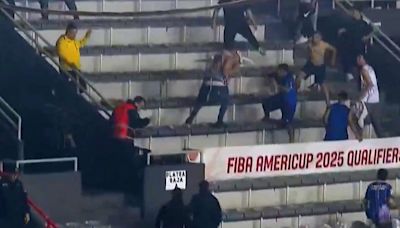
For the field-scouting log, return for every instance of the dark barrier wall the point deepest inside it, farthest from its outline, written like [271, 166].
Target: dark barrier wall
[58, 194]
[156, 177]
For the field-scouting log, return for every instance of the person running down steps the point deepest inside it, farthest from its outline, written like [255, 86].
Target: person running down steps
[215, 85]
[236, 19]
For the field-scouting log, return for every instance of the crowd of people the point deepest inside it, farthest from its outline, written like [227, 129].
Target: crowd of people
[284, 84]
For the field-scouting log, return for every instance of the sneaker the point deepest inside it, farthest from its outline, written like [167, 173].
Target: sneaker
[302, 40]
[349, 77]
[261, 51]
[266, 119]
[189, 121]
[218, 124]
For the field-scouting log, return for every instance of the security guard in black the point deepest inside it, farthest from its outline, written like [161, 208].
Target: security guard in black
[14, 208]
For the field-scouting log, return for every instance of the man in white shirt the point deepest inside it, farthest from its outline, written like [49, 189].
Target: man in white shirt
[307, 16]
[369, 92]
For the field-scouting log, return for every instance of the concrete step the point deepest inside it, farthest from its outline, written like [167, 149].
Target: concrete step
[199, 47]
[307, 215]
[160, 35]
[312, 221]
[250, 193]
[173, 61]
[166, 140]
[193, 74]
[141, 22]
[116, 91]
[108, 208]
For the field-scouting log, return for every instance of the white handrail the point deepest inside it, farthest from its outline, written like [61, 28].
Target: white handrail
[18, 124]
[49, 160]
[53, 60]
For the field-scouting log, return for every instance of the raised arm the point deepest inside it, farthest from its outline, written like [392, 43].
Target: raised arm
[82, 42]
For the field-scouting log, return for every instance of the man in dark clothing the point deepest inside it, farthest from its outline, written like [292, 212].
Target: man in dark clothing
[353, 39]
[14, 208]
[44, 5]
[235, 18]
[173, 214]
[306, 23]
[205, 208]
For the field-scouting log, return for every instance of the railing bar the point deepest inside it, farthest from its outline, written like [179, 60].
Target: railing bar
[8, 119]
[47, 160]
[42, 50]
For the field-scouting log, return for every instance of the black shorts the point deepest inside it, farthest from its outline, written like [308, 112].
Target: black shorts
[319, 72]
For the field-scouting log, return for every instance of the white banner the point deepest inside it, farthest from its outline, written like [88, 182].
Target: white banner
[225, 163]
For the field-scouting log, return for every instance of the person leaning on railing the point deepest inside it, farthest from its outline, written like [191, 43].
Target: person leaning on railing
[124, 120]
[68, 51]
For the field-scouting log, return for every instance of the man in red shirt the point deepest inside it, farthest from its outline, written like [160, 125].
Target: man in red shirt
[125, 119]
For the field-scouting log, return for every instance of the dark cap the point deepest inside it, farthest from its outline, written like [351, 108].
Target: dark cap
[71, 26]
[139, 99]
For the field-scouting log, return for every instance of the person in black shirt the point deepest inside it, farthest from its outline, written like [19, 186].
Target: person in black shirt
[205, 208]
[235, 19]
[173, 214]
[353, 38]
[14, 208]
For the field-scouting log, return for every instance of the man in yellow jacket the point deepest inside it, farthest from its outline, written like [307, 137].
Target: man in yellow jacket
[68, 51]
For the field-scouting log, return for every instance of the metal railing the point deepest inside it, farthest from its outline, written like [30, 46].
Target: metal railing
[20, 163]
[15, 121]
[379, 36]
[372, 3]
[34, 37]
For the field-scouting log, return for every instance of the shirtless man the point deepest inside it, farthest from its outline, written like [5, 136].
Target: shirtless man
[215, 85]
[316, 64]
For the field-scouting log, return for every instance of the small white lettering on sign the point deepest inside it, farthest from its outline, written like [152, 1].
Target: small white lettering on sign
[175, 178]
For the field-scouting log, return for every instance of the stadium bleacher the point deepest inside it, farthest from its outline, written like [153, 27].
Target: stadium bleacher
[163, 60]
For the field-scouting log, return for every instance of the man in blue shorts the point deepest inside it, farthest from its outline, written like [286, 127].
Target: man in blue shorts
[378, 200]
[285, 99]
[337, 118]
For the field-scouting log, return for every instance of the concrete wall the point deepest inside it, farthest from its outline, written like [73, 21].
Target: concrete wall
[297, 195]
[311, 221]
[58, 194]
[173, 145]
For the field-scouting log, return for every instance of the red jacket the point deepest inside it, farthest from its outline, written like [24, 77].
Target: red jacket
[121, 120]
